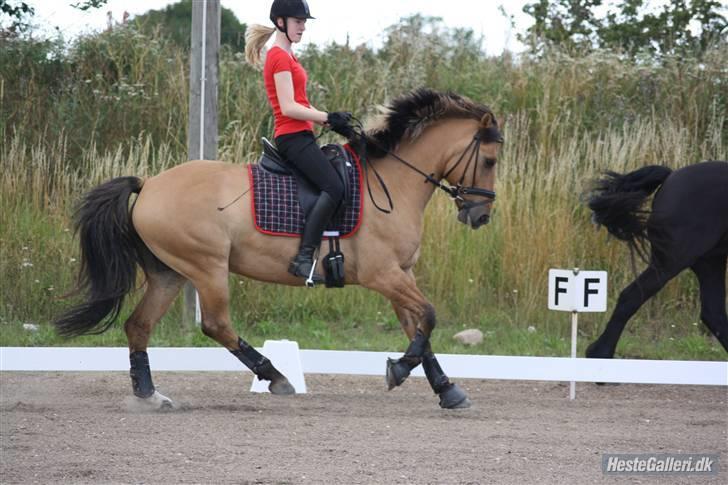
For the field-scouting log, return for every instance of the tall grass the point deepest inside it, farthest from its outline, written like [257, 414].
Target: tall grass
[116, 104]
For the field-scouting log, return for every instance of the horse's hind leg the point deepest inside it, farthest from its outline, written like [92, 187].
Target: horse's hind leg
[216, 324]
[162, 288]
[711, 273]
[630, 300]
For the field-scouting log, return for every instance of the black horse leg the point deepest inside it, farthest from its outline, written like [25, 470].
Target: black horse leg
[417, 317]
[399, 369]
[630, 300]
[419, 351]
[451, 395]
[711, 273]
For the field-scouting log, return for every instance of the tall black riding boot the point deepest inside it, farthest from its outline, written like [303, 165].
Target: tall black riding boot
[303, 264]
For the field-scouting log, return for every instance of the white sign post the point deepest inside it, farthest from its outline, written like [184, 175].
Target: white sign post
[577, 291]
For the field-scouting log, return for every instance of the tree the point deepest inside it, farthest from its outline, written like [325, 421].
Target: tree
[566, 23]
[629, 25]
[16, 12]
[89, 4]
[175, 20]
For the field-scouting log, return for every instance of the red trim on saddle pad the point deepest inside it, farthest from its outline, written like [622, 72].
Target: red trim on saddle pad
[275, 207]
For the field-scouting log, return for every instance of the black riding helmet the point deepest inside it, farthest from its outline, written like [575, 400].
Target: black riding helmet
[289, 8]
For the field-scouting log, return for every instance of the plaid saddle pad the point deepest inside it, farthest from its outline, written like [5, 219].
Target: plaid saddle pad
[277, 211]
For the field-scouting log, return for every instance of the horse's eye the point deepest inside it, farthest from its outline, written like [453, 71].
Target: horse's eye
[489, 162]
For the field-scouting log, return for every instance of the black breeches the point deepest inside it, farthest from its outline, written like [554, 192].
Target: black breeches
[301, 150]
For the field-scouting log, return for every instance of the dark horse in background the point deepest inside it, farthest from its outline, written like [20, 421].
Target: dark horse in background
[686, 228]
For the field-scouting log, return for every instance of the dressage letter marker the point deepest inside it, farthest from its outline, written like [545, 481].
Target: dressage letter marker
[577, 291]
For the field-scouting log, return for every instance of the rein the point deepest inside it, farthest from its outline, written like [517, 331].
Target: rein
[455, 192]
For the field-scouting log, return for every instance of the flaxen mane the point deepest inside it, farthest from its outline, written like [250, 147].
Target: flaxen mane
[406, 117]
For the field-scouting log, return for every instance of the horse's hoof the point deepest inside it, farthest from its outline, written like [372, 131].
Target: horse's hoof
[163, 402]
[396, 373]
[155, 402]
[594, 352]
[281, 387]
[454, 398]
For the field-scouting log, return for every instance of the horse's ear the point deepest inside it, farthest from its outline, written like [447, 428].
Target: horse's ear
[487, 121]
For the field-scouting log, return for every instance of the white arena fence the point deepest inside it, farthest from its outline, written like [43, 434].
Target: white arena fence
[373, 364]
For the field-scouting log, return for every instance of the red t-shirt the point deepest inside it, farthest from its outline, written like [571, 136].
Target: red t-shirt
[278, 60]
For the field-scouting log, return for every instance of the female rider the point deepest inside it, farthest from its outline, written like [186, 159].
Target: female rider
[285, 83]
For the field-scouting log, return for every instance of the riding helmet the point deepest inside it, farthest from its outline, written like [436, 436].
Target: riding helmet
[289, 8]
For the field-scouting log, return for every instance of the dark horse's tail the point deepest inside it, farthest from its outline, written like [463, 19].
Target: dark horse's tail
[617, 201]
[109, 257]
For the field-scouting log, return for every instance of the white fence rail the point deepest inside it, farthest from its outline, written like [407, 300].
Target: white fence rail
[372, 363]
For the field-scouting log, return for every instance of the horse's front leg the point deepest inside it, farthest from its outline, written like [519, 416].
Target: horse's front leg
[451, 395]
[417, 317]
[399, 369]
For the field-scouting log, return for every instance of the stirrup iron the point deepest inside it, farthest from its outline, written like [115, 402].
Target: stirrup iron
[309, 281]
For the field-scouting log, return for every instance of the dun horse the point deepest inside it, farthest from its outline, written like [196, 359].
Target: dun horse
[687, 228]
[176, 233]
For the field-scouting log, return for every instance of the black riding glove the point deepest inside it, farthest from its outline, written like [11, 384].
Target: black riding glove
[338, 121]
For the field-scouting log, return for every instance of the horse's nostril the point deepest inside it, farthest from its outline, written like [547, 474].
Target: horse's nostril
[484, 219]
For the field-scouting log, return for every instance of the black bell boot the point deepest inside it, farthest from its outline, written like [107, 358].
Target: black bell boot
[303, 263]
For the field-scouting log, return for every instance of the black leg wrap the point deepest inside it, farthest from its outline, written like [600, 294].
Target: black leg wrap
[416, 348]
[254, 360]
[435, 376]
[141, 376]
[398, 370]
[263, 368]
[451, 395]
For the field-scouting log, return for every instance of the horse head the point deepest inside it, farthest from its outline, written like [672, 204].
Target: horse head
[471, 172]
[470, 141]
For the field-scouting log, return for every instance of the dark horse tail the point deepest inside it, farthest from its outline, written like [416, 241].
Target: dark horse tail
[617, 201]
[109, 257]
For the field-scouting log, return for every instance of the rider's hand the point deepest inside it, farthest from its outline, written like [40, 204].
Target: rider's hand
[338, 121]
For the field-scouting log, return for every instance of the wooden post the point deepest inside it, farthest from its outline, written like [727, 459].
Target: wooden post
[202, 132]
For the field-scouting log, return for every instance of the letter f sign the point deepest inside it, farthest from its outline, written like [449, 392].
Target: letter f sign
[561, 286]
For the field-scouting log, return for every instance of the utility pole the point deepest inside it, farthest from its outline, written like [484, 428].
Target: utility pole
[202, 132]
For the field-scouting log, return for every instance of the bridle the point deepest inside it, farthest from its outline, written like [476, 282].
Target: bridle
[456, 192]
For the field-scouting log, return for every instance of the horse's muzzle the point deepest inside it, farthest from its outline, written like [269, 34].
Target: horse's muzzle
[474, 221]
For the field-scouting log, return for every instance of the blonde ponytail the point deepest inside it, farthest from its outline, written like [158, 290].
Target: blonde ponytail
[256, 36]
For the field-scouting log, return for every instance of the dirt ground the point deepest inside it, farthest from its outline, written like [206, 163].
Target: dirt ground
[80, 428]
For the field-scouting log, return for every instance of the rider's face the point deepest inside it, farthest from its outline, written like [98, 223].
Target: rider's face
[296, 28]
